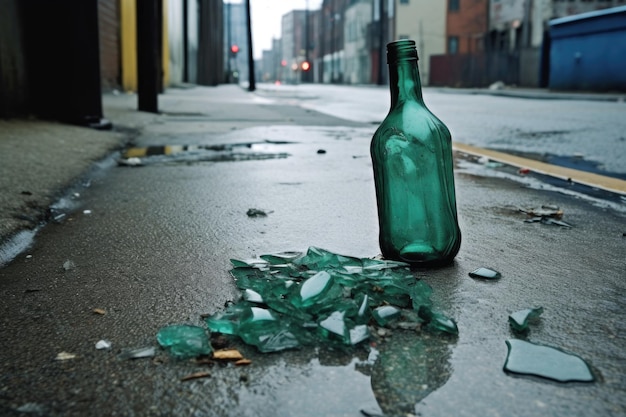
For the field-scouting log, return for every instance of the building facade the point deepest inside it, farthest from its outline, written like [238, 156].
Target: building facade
[425, 23]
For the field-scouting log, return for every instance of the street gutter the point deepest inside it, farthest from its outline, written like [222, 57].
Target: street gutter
[613, 185]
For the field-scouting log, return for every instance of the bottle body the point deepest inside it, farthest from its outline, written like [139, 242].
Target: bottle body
[413, 174]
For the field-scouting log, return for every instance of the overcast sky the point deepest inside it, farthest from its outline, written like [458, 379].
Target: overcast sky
[266, 19]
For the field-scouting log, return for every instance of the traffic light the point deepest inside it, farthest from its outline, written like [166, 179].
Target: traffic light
[234, 49]
[305, 66]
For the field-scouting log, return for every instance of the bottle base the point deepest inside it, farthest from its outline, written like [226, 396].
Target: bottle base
[419, 253]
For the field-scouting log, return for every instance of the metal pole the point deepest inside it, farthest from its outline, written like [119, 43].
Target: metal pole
[305, 74]
[381, 41]
[252, 83]
[185, 41]
[148, 68]
[229, 43]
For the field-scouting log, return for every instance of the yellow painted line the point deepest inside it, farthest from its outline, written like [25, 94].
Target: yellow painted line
[135, 152]
[581, 177]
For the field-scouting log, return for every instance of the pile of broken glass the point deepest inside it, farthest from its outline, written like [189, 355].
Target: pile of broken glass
[292, 299]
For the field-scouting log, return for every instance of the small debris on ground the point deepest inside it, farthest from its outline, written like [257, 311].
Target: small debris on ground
[145, 352]
[196, 375]
[103, 344]
[546, 214]
[243, 362]
[99, 311]
[520, 320]
[65, 356]
[130, 162]
[485, 273]
[227, 354]
[253, 212]
[69, 265]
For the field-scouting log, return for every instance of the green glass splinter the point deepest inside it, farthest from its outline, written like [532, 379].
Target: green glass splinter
[183, 341]
[520, 319]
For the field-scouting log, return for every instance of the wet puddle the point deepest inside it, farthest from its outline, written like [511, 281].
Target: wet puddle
[140, 156]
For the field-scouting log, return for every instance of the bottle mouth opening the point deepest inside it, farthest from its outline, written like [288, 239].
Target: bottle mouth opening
[401, 50]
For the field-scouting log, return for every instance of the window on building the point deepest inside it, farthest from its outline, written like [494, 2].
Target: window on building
[453, 44]
[403, 37]
[453, 5]
[404, 1]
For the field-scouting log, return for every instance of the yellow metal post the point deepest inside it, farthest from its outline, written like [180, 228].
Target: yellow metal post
[128, 17]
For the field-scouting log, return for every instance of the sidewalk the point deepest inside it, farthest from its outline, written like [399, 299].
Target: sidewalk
[40, 159]
[154, 250]
[537, 93]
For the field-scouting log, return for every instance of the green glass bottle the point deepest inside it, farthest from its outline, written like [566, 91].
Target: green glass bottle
[413, 171]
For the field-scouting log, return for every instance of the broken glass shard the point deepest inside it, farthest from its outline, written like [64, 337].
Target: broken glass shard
[420, 295]
[386, 314]
[281, 258]
[227, 322]
[291, 299]
[335, 325]
[520, 319]
[359, 333]
[527, 358]
[438, 321]
[252, 296]
[313, 289]
[183, 341]
[485, 273]
[144, 352]
[103, 344]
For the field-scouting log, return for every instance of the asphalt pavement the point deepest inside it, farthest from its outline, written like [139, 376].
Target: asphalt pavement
[94, 249]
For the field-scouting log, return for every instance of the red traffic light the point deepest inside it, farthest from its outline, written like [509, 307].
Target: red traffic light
[283, 63]
[305, 66]
[234, 49]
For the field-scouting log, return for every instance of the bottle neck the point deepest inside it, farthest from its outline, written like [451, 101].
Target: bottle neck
[404, 81]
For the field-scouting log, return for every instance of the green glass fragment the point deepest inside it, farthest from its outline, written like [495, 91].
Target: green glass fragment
[335, 326]
[252, 296]
[437, 321]
[227, 322]
[420, 295]
[386, 314]
[520, 319]
[485, 273]
[281, 258]
[291, 300]
[183, 341]
[249, 263]
[359, 333]
[527, 358]
[272, 341]
[313, 289]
